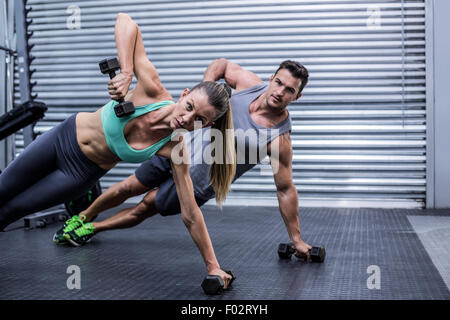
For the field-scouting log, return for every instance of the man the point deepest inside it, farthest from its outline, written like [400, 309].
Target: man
[255, 106]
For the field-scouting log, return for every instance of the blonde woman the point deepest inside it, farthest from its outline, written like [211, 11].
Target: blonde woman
[68, 160]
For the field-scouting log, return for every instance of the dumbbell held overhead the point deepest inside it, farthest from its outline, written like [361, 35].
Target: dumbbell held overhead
[317, 253]
[109, 66]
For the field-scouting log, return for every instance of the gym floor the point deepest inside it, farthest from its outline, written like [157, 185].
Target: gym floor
[410, 250]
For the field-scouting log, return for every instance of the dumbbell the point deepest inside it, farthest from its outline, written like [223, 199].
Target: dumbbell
[214, 284]
[285, 251]
[109, 66]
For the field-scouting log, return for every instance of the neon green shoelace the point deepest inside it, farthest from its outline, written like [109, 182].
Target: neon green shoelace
[84, 230]
[73, 223]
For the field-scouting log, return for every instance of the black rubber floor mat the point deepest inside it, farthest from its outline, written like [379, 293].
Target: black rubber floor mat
[159, 260]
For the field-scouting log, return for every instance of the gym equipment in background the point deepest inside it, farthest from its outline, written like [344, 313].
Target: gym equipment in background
[25, 115]
[20, 117]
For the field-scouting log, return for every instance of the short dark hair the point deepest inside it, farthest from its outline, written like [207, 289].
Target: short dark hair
[297, 70]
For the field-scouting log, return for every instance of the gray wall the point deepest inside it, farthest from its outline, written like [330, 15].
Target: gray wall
[438, 72]
[438, 97]
[359, 129]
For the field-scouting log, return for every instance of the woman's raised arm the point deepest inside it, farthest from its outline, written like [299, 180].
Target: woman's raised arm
[125, 32]
[133, 58]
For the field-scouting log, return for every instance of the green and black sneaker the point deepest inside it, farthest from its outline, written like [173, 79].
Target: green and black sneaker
[81, 235]
[70, 224]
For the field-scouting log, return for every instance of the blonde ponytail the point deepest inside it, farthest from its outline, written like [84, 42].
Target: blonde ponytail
[222, 174]
[223, 170]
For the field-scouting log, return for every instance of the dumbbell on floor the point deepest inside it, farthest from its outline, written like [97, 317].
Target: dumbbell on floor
[285, 251]
[214, 284]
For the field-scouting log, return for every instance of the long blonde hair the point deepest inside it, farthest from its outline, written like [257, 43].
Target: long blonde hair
[222, 172]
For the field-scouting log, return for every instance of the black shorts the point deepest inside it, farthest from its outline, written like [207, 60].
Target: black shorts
[157, 173]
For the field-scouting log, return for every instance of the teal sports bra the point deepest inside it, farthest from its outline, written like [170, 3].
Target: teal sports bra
[113, 129]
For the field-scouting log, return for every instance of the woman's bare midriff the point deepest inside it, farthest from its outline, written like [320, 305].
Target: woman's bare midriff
[91, 140]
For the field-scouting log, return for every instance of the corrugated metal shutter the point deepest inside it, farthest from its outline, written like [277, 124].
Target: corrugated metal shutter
[358, 131]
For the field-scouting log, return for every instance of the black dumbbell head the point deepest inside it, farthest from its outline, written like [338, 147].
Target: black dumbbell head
[108, 65]
[212, 285]
[285, 251]
[317, 254]
[215, 284]
[124, 108]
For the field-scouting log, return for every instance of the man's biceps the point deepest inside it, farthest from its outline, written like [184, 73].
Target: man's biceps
[241, 77]
[248, 79]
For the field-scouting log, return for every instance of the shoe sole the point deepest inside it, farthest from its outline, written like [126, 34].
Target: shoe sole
[75, 243]
[59, 241]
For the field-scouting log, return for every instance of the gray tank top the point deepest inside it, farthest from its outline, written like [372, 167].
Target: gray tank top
[251, 140]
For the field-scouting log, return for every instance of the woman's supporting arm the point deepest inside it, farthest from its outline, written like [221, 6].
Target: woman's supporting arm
[192, 215]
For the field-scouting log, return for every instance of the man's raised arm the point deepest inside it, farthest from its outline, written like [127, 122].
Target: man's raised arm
[235, 76]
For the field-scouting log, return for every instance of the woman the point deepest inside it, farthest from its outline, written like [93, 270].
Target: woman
[67, 160]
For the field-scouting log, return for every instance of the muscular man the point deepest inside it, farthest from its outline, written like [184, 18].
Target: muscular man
[255, 106]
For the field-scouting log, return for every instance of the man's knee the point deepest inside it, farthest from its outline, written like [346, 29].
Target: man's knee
[147, 207]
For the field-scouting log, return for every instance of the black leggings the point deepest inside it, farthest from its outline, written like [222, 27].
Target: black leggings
[50, 171]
